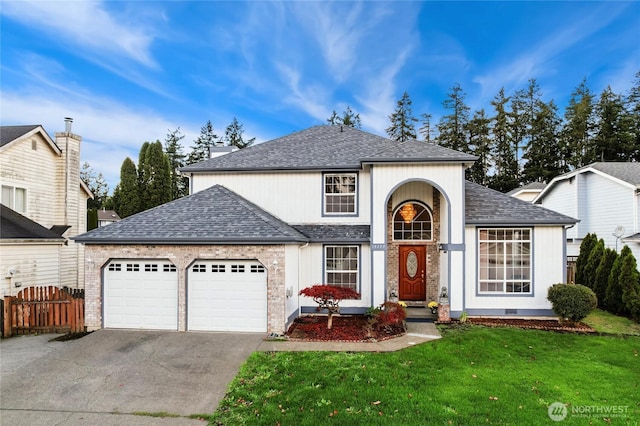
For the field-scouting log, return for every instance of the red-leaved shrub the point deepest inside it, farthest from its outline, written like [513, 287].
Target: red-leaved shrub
[391, 313]
[329, 297]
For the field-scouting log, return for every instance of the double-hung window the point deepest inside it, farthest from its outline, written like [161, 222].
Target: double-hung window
[504, 261]
[14, 198]
[342, 266]
[340, 193]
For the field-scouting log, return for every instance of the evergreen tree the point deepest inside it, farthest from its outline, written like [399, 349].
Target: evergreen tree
[614, 139]
[335, 119]
[517, 125]
[592, 264]
[154, 172]
[173, 149]
[577, 131]
[233, 135]
[630, 283]
[480, 146]
[603, 271]
[633, 107]
[613, 295]
[426, 129]
[542, 161]
[200, 149]
[588, 243]
[128, 190]
[349, 119]
[402, 126]
[505, 177]
[452, 128]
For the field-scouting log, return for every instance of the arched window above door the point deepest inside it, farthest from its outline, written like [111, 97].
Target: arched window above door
[412, 221]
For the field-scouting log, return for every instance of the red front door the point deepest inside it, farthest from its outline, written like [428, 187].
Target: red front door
[413, 262]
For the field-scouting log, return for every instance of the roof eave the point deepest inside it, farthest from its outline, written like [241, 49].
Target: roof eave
[190, 242]
[47, 241]
[521, 223]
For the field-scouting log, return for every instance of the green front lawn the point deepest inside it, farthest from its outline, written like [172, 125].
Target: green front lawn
[473, 375]
[605, 322]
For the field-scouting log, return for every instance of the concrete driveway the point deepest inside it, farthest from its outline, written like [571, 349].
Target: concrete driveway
[108, 376]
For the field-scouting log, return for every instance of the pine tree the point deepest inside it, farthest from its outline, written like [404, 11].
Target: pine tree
[480, 146]
[542, 161]
[588, 243]
[633, 107]
[603, 271]
[233, 135]
[592, 264]
[200, 149]
[614, 139]
[505, 177]
[613, 295]
[335, 119]
[173, 149]
[128, 190]
[426, 129]
[577, 131]
[452, 127]
[351, 119]
[402, 126]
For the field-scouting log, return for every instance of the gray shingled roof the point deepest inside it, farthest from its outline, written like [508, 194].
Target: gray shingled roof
[17, 227]
[325, 148]
[213, 216]
[336, 233]
[484, 206]
[533, 186]
[628, 172]
[11, 133]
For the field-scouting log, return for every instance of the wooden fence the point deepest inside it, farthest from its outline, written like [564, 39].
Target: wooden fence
[42, 310]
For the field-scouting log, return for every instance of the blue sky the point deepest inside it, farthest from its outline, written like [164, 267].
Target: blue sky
[127, 72]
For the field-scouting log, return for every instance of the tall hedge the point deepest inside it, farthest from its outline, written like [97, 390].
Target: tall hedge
[630, 283]
[613, 295]
[586, 246]
[593, 261]
[601, 280]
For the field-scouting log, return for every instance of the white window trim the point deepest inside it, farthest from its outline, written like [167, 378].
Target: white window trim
[393, 221]
[326, 195]
[12, 202]
[348, 271]
[504, 281]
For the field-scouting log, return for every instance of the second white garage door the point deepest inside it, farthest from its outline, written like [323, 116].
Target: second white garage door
[227, 296]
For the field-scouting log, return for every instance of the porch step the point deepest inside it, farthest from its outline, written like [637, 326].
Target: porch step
[420, 314]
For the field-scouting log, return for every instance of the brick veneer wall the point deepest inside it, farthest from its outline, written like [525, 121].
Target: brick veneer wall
[97, 256]
[433, 256]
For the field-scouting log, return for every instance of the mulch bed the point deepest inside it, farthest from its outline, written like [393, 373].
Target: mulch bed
[347, 328]
[553, 325]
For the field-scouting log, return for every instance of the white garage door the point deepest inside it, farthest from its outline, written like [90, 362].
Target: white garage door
[227, 296]
[141, 294]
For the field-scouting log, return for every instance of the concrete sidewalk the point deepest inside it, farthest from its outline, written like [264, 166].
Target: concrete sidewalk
[417, 332]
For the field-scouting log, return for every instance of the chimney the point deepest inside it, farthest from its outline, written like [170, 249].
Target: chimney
[68, 121]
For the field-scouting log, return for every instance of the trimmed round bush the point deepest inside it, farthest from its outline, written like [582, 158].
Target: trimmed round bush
[572, 301]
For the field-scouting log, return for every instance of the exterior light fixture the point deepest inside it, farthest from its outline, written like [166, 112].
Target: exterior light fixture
[408, 212]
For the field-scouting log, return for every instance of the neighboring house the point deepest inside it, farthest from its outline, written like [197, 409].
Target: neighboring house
[605, 197]
[40, 179]
[527, 192]
[105, 217]
[332, 205]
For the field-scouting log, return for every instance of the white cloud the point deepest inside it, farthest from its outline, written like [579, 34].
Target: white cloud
[87, 25]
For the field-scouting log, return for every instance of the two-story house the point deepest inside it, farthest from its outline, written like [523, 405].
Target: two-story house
[332, 205]
[41, 191]
[605, 197]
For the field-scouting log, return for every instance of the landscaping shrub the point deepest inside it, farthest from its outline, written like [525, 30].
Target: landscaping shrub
[586, 246]
[630, 283]
[329, 297]
[391, 313]
[602, 275]
[572, 301]
[613, 295]
[593, 261]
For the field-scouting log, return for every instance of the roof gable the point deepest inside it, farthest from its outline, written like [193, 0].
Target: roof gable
[17, 227]
[9, 134]
[213, 216]
[484, 206]
[626, 174]
[325, 148]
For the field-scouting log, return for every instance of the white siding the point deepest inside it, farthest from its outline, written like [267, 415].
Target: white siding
[293, 197]
[293, 255]
[548, 269]
[35, 265]
[563, 198]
